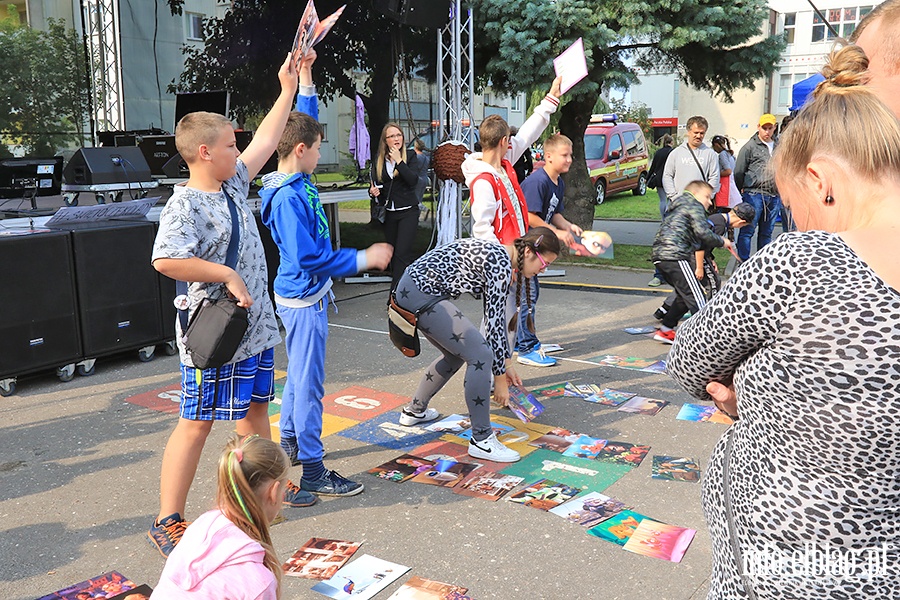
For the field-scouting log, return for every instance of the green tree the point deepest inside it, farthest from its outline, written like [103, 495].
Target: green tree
[43, 87]
[708, 43]
[244, 50]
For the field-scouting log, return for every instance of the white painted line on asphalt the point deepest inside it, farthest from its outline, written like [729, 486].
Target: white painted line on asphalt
[357, 328]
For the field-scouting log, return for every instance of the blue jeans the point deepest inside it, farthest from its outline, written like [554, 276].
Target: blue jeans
[526, 341]
[767, 209]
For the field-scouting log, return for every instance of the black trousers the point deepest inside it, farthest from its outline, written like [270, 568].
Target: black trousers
[689, 292]
[400, 228]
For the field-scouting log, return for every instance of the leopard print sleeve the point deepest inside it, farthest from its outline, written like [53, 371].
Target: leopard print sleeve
[745, 316]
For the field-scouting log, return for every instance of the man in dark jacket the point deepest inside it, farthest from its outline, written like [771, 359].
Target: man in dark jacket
[752, 177]
[684, 230]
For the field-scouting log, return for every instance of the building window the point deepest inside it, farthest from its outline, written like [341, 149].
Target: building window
[842, 20]
[784, 90]
[515, 104]
[790, 23]
[324, 132]
[194, 22]
[487, 99]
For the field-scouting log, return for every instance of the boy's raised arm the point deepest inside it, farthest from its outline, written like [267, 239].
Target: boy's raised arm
[267, 135]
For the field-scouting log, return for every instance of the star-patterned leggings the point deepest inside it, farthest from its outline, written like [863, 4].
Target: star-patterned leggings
[460, 342]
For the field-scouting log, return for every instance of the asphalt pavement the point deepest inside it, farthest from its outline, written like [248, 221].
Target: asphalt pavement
[79, 481]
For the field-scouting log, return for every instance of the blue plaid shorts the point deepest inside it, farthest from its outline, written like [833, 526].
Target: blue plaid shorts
[250, 380]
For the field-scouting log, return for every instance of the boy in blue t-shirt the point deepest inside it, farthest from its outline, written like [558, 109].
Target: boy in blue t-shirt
[544, 190]
[292, 211]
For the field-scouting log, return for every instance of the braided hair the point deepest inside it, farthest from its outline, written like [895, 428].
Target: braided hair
[541, 240]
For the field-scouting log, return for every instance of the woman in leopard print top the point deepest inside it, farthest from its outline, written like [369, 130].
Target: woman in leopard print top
[802, 494]
[481, 268]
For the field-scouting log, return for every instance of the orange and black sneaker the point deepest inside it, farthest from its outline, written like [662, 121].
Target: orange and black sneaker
[165, 534]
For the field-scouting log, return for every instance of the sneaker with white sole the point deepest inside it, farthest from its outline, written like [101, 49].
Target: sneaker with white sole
[409, 418]
[666, 337]
[535, 358]
[655, 282]
[492, 449]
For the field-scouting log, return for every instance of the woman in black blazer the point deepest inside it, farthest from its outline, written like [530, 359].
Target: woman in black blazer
[394, 178]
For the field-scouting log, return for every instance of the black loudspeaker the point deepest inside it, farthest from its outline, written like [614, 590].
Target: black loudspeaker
[104, 165]
[243, 138]
[273, 256]
[118, 289]
[176, 168]
[418, 13]
[157, 151]
[39, 320]
[167, 295]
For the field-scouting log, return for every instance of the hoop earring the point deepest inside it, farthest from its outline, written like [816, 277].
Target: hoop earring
[829, 199]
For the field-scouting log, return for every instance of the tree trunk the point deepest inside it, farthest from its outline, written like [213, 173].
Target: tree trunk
[574, 118]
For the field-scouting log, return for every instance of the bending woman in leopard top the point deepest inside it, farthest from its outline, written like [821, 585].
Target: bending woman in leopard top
[802, 494]
[484, 269]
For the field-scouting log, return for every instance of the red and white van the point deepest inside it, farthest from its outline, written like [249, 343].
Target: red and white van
[616, 155]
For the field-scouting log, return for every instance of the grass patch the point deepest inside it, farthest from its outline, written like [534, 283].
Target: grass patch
[626, 205]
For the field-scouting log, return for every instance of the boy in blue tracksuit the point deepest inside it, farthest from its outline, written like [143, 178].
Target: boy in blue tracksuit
[292, 211]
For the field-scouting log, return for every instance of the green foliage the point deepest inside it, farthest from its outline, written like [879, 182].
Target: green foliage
[43, 87]
[706, 42]
[637, 112]
[244, 50]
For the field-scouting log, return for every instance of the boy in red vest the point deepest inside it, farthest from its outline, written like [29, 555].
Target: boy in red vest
[499, 212]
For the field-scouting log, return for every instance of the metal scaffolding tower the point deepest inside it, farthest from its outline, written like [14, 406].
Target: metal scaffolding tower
[456, 106]
[100, 29]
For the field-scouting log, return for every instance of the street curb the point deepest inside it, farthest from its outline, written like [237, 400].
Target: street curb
[613, 289]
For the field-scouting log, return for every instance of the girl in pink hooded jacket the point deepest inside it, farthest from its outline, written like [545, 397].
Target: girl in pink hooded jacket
[227, 553]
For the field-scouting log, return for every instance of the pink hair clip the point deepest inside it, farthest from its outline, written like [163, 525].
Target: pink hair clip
[238, 453]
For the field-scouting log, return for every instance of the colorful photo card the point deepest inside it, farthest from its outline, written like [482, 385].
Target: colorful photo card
[488, 485]
[320, 558]
[523, 404]
[450, 424]
[141, 592]
[589, 509]
[557, 440]
[673, 468]
[544, 494]
[623, 362]
[589, 391]
[657, 367]
[499, 429]
[443, 450]
[419, 588]
[643, 406]
[550, 391]
[659, 540]
[701, 412]
[106, 585]
[445, 473]
[640, 330]
[571, 391]
[361, 579]
[618, 528]
[609, 397]
[623, 453]
[585, 447]
[401, 468]
[311, 31]
[576, 472]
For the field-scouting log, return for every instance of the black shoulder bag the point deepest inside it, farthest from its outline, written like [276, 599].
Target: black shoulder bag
[216, 328]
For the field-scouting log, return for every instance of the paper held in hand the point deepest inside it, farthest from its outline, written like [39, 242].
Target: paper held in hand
[571, 65]
[311, 31]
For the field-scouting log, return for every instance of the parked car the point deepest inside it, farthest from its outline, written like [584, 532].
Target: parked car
[616, 155]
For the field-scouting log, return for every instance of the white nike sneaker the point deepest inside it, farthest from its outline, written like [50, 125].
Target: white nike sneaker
[492, 449]
[409, 418]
